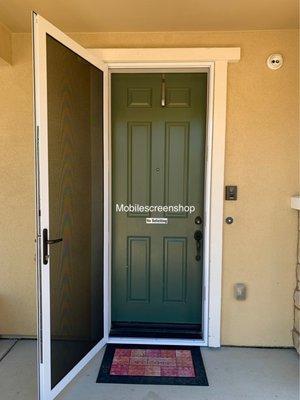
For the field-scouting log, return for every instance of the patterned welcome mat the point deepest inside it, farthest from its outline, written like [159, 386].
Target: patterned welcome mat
[157, 365]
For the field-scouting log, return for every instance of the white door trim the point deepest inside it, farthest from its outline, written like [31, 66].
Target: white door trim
[165, 55]
[214, 60]
[41, 28]
[182, 67]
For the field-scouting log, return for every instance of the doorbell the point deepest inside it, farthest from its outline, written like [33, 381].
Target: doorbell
[230, 192]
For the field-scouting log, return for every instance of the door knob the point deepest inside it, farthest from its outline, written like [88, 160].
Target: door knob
[198, 237]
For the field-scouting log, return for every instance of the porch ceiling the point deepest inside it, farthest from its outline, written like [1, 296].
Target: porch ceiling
[152, 15]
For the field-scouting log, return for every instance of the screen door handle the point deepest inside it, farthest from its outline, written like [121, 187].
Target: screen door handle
[52, 241]
[46, 242]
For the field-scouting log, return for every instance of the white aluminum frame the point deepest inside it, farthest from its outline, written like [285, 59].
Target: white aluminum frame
[41, 28]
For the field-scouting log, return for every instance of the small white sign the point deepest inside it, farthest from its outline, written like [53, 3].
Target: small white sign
[156, 220]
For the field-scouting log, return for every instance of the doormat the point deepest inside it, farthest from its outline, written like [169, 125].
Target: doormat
[152, 365]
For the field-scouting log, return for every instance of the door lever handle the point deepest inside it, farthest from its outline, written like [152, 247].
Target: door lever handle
[52, 241]
[47, 242]
[198, 237]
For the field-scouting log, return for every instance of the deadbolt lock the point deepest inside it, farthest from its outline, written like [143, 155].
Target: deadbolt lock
[198, 220]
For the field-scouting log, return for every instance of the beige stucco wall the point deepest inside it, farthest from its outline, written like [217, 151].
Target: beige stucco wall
[5, 45]
[261, 158]
[17, 269]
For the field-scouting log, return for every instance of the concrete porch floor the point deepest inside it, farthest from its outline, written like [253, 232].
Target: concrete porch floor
[233, 374]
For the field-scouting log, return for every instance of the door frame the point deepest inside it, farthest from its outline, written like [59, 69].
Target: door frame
[206, 225]
[214, 61]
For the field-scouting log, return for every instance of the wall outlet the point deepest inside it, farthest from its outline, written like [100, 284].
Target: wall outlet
[240, 291]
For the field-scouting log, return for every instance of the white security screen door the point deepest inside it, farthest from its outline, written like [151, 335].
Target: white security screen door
[70, 88]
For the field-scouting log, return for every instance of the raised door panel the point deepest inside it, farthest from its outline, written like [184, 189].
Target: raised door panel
[139, 97]
[175, 269]
[139, 165]
[176, 166]
[138, 269]
[178, 97]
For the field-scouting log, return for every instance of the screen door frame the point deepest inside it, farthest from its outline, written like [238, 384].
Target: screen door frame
[42, 28]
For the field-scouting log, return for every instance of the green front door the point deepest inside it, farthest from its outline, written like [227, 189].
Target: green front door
[158, 155]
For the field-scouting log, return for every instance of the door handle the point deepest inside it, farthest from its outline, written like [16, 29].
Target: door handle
[46, 242]
[198, 237]
[52, 241]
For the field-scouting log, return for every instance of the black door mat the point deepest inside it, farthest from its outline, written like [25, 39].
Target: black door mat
[154, 365]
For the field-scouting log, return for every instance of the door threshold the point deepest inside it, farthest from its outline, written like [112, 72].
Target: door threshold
[156, 331]
[157, 342]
